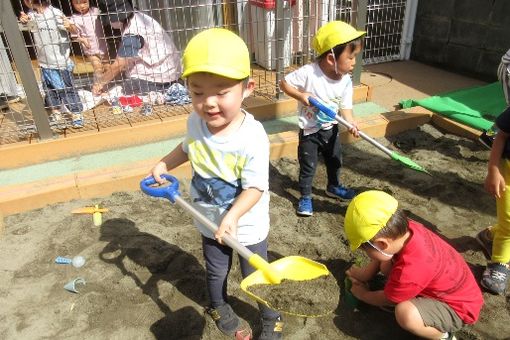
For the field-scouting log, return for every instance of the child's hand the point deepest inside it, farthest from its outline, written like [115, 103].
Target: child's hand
[229, 226]
[24, 18]
[358, 273]
[354, 130]
[97, 88]
[158, 170]
[66, 23]
[358, 288]
[494, 182]
[304, 98]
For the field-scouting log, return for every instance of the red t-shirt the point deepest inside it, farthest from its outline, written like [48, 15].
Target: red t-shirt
[429, 267]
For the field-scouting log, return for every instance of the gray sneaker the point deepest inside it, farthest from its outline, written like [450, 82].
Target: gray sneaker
[271, 329]
[495, 278]
[484, 238]
[225, 318]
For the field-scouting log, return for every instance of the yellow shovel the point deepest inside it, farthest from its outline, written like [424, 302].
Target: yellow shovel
[295, 268]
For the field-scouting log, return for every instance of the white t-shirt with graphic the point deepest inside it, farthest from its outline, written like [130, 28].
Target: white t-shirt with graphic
[223, 167]
[336, 94]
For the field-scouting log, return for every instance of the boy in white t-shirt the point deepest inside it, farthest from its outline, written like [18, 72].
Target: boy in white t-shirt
[229, 153]
[328, 79]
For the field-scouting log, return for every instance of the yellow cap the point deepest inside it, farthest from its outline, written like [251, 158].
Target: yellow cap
[368, 213]
[217, 51]
[332, 34]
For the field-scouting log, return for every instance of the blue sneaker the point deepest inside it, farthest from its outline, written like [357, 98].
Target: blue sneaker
[305, 207]
[340, 191]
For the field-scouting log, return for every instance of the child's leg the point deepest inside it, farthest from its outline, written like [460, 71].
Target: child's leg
[218, 260]
[271, 321]
[52, 98]
[427, 318]
[386, 267]
[247, 269]
[69, 94]
[308, 156]
[501, 231]
[97, 65]
[332, 153]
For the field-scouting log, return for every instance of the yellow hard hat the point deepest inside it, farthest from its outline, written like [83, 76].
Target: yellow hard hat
[368, 213]
[217, 51]
[332, 34]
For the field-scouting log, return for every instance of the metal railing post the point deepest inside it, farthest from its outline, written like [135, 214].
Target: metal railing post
[361, 21]
[280, 44]
[24, 67]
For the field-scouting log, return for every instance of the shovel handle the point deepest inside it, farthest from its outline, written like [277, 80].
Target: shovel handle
[172, 193]
[333, 115]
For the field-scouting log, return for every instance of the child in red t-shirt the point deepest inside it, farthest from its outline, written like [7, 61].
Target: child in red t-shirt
[428, 281]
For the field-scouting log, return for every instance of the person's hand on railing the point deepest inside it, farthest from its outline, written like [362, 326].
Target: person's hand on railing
[24, 18]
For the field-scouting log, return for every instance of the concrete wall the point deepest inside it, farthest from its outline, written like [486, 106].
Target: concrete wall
[462, 35]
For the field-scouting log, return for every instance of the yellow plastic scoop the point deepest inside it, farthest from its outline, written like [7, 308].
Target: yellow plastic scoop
[292, 268]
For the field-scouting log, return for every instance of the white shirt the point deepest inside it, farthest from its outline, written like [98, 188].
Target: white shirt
[50, 37]
[334, 93]
[159, 60]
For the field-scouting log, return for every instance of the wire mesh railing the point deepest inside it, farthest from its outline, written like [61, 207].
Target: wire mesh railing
[96, 64]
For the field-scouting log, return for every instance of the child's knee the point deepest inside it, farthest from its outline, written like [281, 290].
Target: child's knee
[407, 315]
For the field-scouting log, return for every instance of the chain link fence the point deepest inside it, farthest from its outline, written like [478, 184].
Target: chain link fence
[65, 69]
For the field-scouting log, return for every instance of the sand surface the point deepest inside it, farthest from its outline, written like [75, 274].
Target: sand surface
[145, 275]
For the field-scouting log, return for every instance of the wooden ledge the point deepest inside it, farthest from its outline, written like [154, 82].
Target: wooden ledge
[103, 182]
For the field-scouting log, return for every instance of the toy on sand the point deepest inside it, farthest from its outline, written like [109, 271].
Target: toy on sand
[95, 211]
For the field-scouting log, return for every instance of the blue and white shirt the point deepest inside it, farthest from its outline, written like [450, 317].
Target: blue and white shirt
[223, 167]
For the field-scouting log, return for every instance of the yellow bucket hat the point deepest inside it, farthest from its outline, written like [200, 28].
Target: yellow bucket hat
[217, 51]
[368, 213]
[332, 34]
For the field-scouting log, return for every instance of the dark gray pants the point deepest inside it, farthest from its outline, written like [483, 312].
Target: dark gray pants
[218, 260]
[326, 142]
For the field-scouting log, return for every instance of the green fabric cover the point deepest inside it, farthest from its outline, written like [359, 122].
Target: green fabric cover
[477, 107]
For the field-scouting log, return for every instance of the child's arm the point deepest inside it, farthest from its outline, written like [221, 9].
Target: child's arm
[83, 41]
[171, 161]
[295, 93]
[24, 18]
[375, 298]
[242, 204]
[363, 274]
[114, 69]
[495, 182]
[69, 25]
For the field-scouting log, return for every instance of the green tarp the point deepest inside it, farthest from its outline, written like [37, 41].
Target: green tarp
[476, 107]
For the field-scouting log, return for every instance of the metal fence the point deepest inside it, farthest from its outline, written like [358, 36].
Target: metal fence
[37, 102]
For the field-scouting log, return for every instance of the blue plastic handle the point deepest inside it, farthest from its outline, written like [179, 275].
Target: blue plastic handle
[171, 191]
[320, 105]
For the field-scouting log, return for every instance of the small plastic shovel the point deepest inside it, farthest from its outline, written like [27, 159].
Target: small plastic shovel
[294, 268]
[393, 154]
